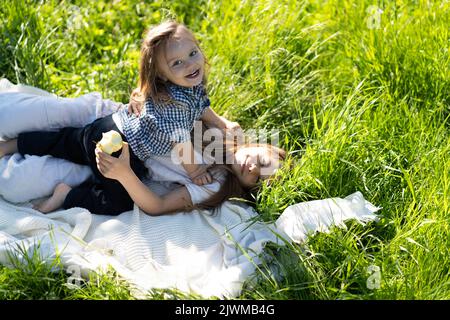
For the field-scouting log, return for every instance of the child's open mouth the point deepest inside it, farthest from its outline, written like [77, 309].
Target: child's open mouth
[193, 74]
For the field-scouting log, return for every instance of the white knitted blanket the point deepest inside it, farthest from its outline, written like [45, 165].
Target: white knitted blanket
[210, 255]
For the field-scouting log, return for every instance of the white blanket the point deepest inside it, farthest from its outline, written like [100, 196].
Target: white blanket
[211, 255]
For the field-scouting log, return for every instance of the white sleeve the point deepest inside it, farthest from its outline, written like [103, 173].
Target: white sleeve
[34, 109]
[202, 193]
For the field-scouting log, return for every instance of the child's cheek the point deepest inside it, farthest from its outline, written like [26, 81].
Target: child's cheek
[198, 59]
[179, 73]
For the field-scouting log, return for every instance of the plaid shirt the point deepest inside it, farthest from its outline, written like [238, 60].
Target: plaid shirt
[159, 127]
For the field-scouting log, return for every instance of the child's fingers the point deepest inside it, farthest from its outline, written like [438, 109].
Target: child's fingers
[104, 162]
[199, 181]
[130, 108]
[104, 157]
[125, 153]
[201, 170]
[104, 170]
[101, 168]
[204, 179]
[134, 108]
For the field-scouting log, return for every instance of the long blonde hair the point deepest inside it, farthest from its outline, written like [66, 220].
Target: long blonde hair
[151, 86]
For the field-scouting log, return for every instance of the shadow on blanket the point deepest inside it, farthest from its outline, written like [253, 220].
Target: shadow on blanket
[193, 252]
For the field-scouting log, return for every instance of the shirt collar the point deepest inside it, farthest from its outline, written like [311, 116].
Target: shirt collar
[186, 90]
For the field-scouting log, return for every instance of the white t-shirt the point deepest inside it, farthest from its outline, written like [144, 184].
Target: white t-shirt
[165, 171]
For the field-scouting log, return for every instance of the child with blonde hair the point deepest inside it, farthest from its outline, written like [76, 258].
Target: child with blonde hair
[172, 79]
[172, 87]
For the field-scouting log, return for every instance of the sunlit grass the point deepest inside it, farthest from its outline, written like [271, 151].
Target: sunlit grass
[360, 98]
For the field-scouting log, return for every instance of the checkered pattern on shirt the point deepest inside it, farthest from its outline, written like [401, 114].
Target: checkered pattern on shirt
[159, 127]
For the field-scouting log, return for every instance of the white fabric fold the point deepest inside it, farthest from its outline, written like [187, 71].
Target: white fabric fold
[208, 254]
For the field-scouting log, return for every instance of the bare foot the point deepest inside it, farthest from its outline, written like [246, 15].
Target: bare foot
[56, 200]
[2, 147]
[8, 147]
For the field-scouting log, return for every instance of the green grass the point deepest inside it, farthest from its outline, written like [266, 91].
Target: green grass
[359, 108]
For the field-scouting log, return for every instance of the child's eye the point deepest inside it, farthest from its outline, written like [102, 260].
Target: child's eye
[176, 63]
[193, 53]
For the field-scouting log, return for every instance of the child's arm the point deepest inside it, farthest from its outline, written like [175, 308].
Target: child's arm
[197, 172]
[151, 203]
[212, 119]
